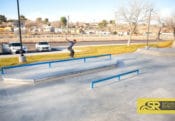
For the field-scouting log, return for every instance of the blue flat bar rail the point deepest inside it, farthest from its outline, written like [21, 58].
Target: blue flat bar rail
[50, 62]
[111, 77]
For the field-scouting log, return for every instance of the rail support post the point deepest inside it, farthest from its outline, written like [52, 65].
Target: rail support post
[84, 60]
[2, 70]
[92, 85]
[110, 56]
[49, 64]
[119, 77]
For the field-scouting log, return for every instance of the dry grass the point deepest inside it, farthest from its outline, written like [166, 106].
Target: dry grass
[165, 44]
[8, 61]
[84, 51]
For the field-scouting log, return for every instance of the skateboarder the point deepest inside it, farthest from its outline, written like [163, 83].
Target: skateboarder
[70, 48]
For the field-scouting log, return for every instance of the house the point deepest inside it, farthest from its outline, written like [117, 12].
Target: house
[15, 26]
[58, 30]
[16, 30]
[47, 28]
[35, 30]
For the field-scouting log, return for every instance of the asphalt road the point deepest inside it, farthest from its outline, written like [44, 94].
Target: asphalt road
[55, 45]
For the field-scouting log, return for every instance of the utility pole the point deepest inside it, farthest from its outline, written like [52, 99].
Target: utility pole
[22, 58]
[68, 24]
[116, 20]
[149, 19]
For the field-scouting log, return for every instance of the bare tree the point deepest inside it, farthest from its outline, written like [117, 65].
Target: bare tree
[161, 23]
[39, 19]
[29, 24]
[56, 24]
[133, 12]
[170, 22]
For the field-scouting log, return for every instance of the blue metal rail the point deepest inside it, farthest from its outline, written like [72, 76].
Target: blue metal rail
[109, 55]
[111, 77]
[51, 62]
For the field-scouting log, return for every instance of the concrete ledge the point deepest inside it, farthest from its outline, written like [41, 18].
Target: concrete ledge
[54, 77]
[27, 76]
[18, 81]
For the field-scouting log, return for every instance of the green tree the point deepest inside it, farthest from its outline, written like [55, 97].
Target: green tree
[63, 21]
[2, 19]
[11, 20]
[112, 22]
[102, 24]
[46, 20]
[23, 18]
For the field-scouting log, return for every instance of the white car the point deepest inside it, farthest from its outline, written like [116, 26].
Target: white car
[43, 46]
[14, 47]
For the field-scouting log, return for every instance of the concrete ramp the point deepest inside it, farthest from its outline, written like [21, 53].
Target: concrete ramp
[157, 51]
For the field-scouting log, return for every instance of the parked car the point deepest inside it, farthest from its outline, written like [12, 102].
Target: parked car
[43, 46]
[13, 47]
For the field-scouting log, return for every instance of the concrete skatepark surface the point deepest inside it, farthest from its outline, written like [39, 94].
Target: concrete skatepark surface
[70, 98]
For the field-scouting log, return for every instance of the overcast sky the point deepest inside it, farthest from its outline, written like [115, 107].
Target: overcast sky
[77, 10]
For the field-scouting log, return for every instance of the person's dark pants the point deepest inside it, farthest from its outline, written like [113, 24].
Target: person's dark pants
[71, 52]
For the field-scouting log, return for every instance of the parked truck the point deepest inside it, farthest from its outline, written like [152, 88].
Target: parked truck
[13, 48]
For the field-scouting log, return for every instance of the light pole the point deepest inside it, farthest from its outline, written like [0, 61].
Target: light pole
[68, 24]
[149, 19]
[21, 57]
